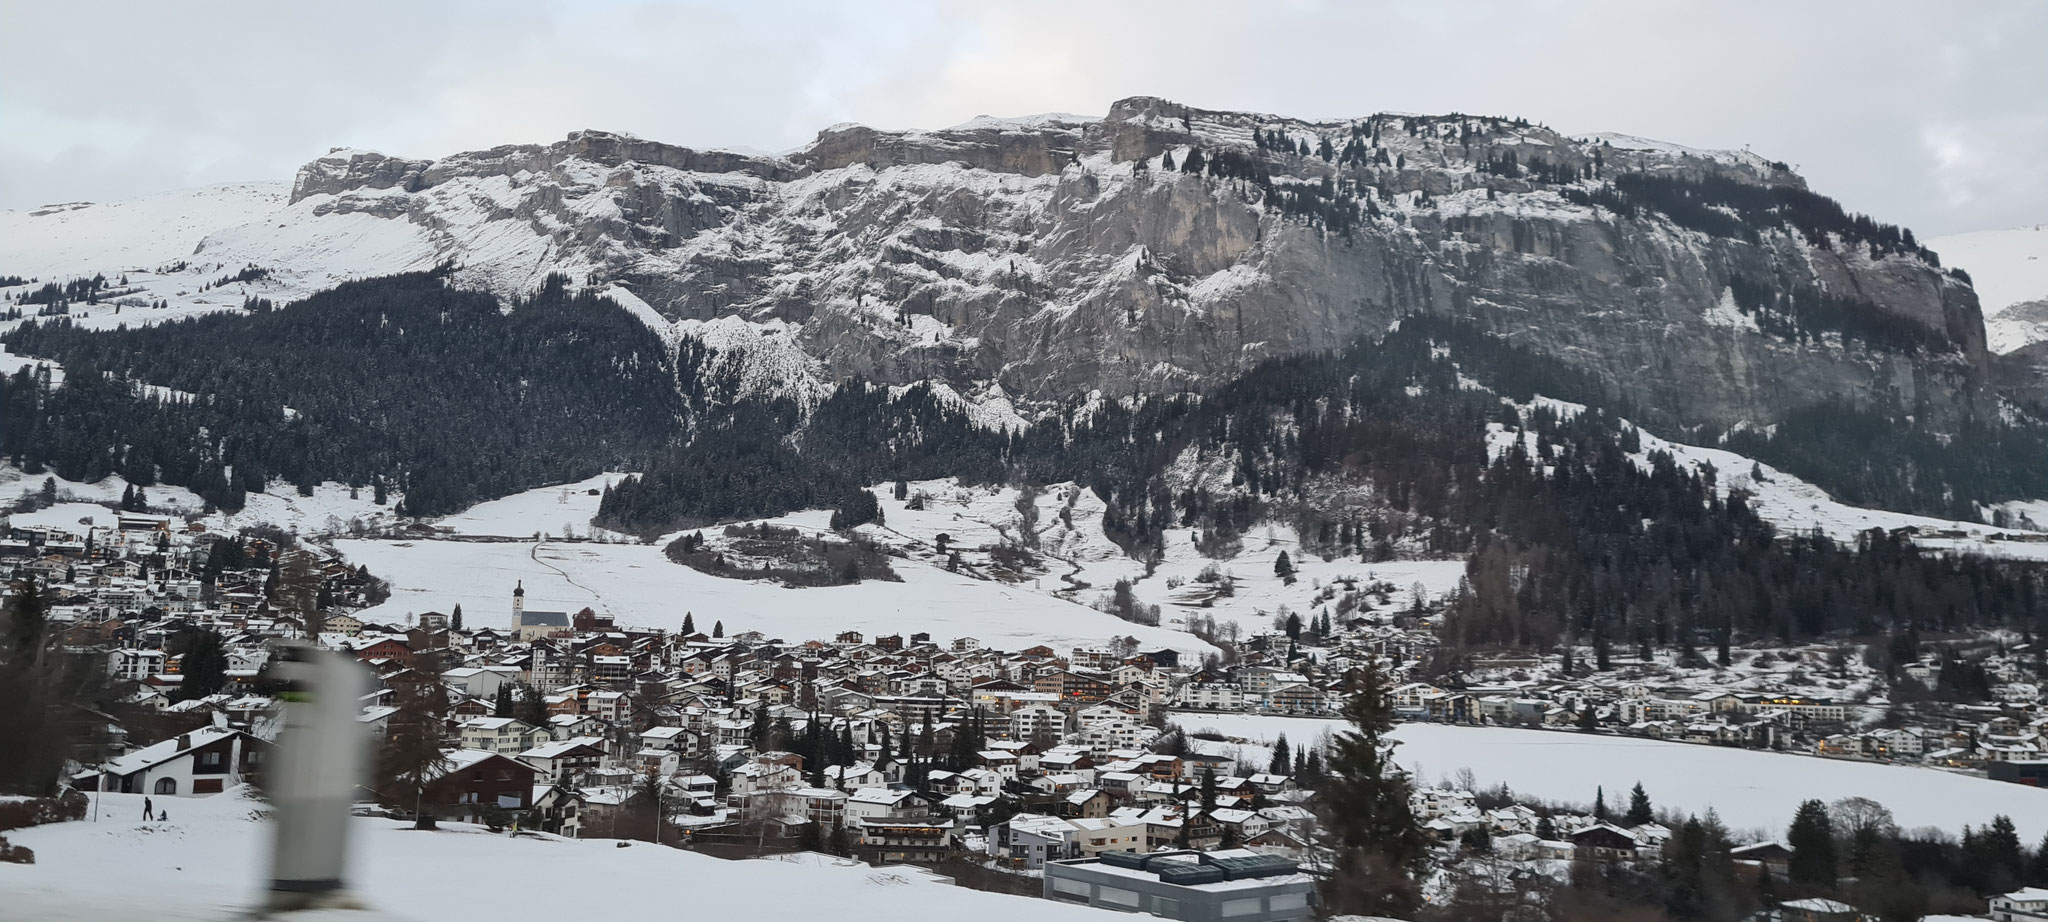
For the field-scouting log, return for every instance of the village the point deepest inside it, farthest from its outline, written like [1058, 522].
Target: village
[1013, 765]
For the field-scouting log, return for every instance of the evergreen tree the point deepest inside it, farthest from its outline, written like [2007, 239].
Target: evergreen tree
[26, 616]
[718, 629]
[689, 624]
[412, 756]
[1546, 828]
[1372, 830]
[1639, 812]
[502, 707]
[2004, 858]
[530, 705]
[204, 666]
[1282, 762]
[1600, 804]
[1283, 567]
[455, 618]
[1812, 840]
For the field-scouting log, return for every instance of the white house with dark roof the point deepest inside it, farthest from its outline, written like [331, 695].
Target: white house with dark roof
[205, 761]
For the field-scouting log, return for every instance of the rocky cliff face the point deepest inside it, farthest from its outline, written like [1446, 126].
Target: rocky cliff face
[1056, 256]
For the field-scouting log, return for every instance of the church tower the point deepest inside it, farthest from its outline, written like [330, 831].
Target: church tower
[518, 605]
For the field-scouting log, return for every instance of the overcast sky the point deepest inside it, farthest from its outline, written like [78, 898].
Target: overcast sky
[1930, 114]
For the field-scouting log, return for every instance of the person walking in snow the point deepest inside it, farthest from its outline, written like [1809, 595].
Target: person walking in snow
[148, 811]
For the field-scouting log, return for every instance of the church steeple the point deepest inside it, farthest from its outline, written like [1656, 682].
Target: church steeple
[518, 605]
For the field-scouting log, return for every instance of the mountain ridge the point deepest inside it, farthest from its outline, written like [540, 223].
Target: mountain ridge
[1032, 254]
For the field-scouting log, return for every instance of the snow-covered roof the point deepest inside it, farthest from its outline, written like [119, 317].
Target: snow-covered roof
[556, 750]
[150, 756]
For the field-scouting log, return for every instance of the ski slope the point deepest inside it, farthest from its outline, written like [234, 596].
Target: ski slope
[1751, 790]
[208, 861]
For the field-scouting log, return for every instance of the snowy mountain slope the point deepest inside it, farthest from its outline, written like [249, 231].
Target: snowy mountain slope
[332, 509]
[1751, 790]
[1054, 256]
[52, 242]
[1796, 505]
[208, 862]
[2010, 271]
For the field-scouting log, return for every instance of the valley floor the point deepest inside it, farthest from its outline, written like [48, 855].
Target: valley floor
[1750, 790]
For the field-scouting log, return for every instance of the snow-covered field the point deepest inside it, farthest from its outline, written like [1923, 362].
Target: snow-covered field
[1751, 790]
[209, 862]
[560, 511]
[640, 586]
[1085, 565]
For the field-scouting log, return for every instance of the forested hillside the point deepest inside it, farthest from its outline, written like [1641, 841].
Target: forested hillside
[397, 382]
[1428, 440]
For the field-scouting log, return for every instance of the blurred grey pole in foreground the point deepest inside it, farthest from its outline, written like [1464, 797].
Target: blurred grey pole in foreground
[322, 756]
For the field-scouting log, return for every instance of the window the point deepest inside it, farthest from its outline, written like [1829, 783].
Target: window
[167, 785]
[1161, 906]
[1288, 901]
[1233, 908]
[1116, 896]
[1066, 888]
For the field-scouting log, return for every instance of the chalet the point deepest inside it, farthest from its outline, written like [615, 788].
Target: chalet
[204, 761]
[370, 649]
[1775, 857]
[566, 760]
[472, 779]
[2028, 905]
[503, 735]
[885, 841]
[1602, 842]
[1817, 910]
[1084, 803]
[1072, 686]
[884, 803]
[560, 810]
[135, 665]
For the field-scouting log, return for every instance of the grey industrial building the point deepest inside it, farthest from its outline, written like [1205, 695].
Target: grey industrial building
[1236, 885]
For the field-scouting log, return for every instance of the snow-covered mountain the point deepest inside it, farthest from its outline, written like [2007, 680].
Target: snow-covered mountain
[1033, 260]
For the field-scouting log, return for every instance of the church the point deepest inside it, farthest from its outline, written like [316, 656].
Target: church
[531, 625]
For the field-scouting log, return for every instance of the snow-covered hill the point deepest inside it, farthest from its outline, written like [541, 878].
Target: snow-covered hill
[208, 862]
